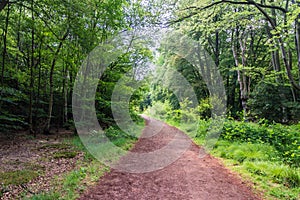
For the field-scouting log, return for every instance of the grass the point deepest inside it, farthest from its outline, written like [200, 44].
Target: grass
[55, 146]
[277, 172]
[245, 151]
[46, 196]
[69, 186]
[17, 177]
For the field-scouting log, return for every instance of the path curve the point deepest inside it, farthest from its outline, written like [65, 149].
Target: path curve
[189, 177]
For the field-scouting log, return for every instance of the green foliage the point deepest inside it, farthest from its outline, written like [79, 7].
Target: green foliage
[37, 56]
[119, 137]
[72, 182]
[262, 164]
[274, 102]
[278, 172]
[46, 196]
[284, 138]
[204, 108]
[166, 112]
[12, 115]
[247, 152]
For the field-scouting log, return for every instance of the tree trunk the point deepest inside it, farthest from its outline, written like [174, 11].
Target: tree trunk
[31, 75]
[65, 95]
[5, 44]
[297, 39]
[217, 49]
[38, 68]
[243, 80]
[47, 128]
[19, 36]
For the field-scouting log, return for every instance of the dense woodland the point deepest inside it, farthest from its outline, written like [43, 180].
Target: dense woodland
[255, 45]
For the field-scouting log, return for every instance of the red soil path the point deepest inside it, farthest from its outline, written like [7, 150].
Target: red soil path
[189, 177]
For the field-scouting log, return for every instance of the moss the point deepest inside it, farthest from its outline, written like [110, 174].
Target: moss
[24, 165]
[33, 166]
[17, 177]
[55, 146]
[65, 154]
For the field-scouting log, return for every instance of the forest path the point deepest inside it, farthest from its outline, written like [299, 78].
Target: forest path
[189, 177]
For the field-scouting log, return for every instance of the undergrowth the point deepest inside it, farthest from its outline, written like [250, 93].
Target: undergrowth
[262, 164]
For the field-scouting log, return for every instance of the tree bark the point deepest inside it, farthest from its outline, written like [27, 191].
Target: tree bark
[243, 80]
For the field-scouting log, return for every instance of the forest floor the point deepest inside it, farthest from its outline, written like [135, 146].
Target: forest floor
[28, 165]
[189, 177]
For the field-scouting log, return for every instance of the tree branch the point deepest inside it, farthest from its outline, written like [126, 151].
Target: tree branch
[248, 2]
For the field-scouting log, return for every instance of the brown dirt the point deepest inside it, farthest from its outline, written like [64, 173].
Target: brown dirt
[189, 177]
[24, 152]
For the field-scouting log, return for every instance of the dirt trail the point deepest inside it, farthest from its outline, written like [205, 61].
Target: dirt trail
[189, 177]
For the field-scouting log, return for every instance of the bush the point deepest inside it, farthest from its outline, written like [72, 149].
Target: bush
[274, 102]
[285, 139]
[114, 133]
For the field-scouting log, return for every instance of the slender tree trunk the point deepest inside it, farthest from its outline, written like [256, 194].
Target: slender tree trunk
[47, 128]
[275, 53]
[243, 80]
[19, 36]
[38, 69]
[217, 49]
[66, 100]
[232, 93]
[31, 75]
[65, 95]
[297, 41]
[5, 44]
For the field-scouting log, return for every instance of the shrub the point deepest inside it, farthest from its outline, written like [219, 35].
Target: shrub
[284, 138]
[273, 102]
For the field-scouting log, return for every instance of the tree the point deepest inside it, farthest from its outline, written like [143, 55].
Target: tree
[257, 34]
